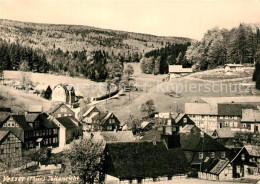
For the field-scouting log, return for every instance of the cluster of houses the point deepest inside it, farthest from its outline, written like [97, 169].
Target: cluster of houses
[61, 92]
[200, 141]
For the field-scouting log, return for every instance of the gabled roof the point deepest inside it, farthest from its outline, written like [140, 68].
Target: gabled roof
[198, 141]
[178, 118]
[100, 116]
[47, 122]
[3, 133]
[16, 131]
[3, 116]
[89, 110]
[223, 133]
[250, 115]
[187, 129]
[20, 119]
[214, 166]
[66, 87]
[253, 150]
[144, 159]
[31, 117]
[233, 109]
[120, 136]
[56, 107]
[144, 124]
[179, 69]
[152, 135]
[41, 87]
[200, 109]
[35, 108]
[68, 122]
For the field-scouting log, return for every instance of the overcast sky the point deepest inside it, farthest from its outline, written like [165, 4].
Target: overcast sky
[187, 18]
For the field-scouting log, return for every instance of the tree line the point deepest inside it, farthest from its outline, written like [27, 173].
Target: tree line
[157, 61]
[221, 46]
[13, 54]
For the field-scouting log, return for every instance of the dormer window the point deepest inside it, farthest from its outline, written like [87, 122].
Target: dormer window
[223, 154]
[243, 156]
[200, 155]
[184, 120]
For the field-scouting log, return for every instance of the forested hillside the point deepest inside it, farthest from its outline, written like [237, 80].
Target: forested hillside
[94, 53]
[220, 46]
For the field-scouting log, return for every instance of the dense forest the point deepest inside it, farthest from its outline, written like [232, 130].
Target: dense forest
[157, 61]
[12, 55]
[220, 46]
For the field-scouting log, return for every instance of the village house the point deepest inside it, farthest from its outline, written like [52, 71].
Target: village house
[246, 162]
[138, 162]
[10, 148]
[204, 115]
[251, 120]
[216, 170]
[198, 146]
[224, 136]
[96, 120]
[178, 71]
[146, 125]
[31, 128]
[44, 91]
[230, 115]
[69, 129]
[61, 110]
[64, 93]
[233, 67]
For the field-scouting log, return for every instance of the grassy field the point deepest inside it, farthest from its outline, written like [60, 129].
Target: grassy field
[83, 87]
[188, 89]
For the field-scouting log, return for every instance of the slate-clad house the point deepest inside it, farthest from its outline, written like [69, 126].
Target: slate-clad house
[61, 110]
[96, 120]
[69, 129]
[10, 148]
[198, 145]
[246, 161]
[31, 127]
[64, 93]
[230, 115]
[216, 169]
[143, 161]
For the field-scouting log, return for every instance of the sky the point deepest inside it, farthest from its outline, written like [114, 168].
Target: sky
[185, 18]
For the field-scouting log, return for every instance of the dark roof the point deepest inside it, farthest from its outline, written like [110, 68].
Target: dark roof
[195, 142]
[233, 109]
[68, 122]
[144, 159]
[31, 117]
[20, 119]
[46, 122]
[152, 135]
[100, 116]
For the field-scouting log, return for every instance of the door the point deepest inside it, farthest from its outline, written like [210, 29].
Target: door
[220, 125]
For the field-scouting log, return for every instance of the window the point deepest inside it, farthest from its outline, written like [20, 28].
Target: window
[109, 127]
[223, 154]
[226, 117]
[226, 124]
[235, 117]
[13, 125]
[212, 155]
[55, 131]
[243, 156]
[50, 132]
[244, 125]
[59, 115]
[65, 115]
[200, 155]
[231, 117]
[231, 124]
[184, 120]
[235, 124]
[69, 115]
[17, 125]
[221, 117]
[8, 124]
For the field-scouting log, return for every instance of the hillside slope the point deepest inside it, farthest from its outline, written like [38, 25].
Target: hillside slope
[78, 37]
